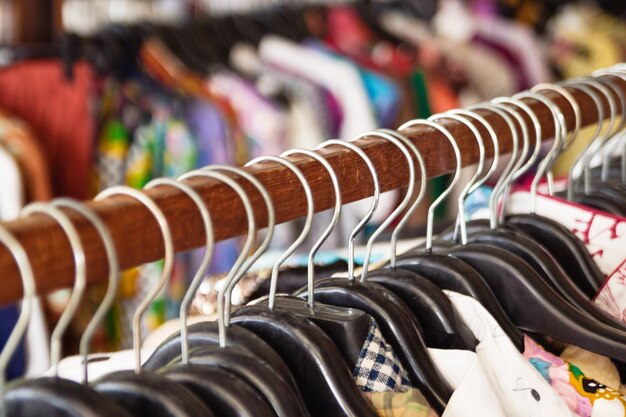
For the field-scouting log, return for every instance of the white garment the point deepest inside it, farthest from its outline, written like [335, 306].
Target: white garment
[522, 391]
[473, 395]
[337, 76]
[11, 187]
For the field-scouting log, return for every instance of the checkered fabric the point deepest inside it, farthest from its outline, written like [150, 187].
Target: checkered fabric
[378, 368]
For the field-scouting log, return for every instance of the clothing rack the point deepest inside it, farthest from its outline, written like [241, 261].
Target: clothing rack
[137, 236]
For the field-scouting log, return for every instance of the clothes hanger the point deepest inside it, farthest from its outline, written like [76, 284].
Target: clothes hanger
[395, 319]
[524, 291]
[442, 326]
[205, 332]
[564, 245]
[347, 328]
[528, 249]
[142, 393]
[222, 391]
[54, 395]
[113, 278]
[243, 363]
[317, 364]
[448, 272]
[29, 293]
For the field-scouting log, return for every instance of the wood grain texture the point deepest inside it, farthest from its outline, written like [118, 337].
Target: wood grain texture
[136, 233]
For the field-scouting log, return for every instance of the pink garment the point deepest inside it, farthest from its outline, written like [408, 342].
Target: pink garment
[557, 372]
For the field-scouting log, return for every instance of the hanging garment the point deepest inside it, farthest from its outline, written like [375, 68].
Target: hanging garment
[584, 396]
[59, 114]
[522, 391]
[473, 395]
[338, 77]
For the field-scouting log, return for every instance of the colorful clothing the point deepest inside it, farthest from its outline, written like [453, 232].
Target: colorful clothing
[517, 384]
[401, 404]
[378, 368]
[584, 396]
[384, 381]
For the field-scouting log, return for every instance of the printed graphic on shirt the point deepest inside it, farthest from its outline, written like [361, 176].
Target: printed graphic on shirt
[584, 396]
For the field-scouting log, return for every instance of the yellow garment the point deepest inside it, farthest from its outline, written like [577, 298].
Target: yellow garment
[585, 40]
[400, 404]
[563, 164]
[594, 366]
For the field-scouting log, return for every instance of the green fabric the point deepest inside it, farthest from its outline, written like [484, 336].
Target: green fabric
[422, 104]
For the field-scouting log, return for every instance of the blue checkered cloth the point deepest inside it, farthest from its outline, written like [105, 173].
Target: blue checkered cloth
[378, 368]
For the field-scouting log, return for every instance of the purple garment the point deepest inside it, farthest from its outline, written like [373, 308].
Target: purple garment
[211, 132]
[335, 114]
[521, 78]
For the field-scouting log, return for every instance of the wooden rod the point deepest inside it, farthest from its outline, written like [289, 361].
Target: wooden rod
[136, 233]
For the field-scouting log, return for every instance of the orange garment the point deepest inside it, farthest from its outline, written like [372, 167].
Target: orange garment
[58, 112]
[19, 140]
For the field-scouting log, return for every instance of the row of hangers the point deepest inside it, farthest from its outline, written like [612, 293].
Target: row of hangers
[287, 355]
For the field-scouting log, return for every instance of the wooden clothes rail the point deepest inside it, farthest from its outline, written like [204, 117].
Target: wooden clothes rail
[138, 239]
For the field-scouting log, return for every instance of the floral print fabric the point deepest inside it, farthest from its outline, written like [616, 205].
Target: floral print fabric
[584, 396]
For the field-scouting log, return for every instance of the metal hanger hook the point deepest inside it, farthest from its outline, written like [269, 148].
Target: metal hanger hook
[517, 168]
[168, 263]
[403, 144]
[453, 182]
[247, 246]
[113, 280]
[271, 223]
[585, 85]
[479, 167]
[559, 129]
[333, 222]
[30, 291]
[80, 275]
[565, 142]
[376, 197]
[307, 224]
[418, 200]
[494, 160]
[204, 264]
[607, 153]
[495, 193]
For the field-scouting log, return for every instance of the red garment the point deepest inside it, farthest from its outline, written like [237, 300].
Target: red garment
[348, 34]
[59, 114]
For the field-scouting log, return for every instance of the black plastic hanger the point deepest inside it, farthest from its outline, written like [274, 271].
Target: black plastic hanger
[225, 393]
[514, 280]
[540, 260]
[346, 327]
[441, 325]
[564, 246]
[282, 396]
[349, 328]
[529, 250]
[177, 346]
[534, 306]
[452, 273]
[54, 395]
[397, 324]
